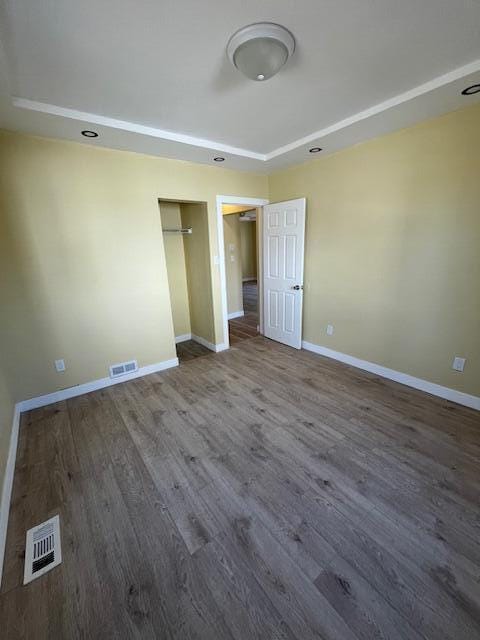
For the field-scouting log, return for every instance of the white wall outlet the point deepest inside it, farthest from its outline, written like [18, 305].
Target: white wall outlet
[329, 329]
[60, 365]
[232, 258]
[458, 364]
[231, 248]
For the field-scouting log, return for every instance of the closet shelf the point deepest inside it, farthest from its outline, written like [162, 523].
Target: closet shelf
[186, 231]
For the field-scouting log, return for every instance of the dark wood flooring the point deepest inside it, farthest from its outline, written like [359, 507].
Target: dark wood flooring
[190, 349]
[243, 328]
[262, 492]
[250, 296]
[246, 327]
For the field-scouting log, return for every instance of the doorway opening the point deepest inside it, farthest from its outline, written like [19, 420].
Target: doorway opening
[280, 234]
[241, 270]
[187, 255]
[242, 303]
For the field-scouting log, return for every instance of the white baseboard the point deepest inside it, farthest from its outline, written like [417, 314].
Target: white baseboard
[205, 343]
[8, 485]
[94, 385]
[404, 378]
[213, 347]
[249, 279]
[236, 314]
[183, 338]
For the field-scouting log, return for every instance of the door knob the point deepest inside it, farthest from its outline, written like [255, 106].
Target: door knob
[297, 287]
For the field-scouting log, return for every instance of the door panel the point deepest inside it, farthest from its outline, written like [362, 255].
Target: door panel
[289, 313]
[290, 256]
[272, 307]
[284, 240]
[273, 257]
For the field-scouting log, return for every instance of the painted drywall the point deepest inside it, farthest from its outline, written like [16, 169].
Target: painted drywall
[198, 270]
[233, 262]
[393, 248]
[176, 270]
[82, 265]
[248, 249]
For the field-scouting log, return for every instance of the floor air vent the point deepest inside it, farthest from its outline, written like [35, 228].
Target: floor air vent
[123, 368]
[42, 551]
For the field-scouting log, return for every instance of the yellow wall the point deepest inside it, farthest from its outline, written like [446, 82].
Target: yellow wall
[393, 248]
[177, 274]
[248, 249]
[198, 270]
[82, 260]
[233, 269]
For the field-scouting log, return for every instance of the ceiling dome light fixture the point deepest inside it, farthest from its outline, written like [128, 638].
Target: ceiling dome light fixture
[219, 159]
[90, 134]
[260, 50]
[315, 149]
[470, 91]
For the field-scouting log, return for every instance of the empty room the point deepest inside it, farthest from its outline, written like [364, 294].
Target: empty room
[240, 320]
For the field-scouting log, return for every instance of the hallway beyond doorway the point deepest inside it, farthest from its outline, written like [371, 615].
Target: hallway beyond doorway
[246, 326]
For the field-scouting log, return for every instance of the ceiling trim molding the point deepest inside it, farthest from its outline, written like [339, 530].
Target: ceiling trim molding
[397, 100]
[211, 145]
[113, 123]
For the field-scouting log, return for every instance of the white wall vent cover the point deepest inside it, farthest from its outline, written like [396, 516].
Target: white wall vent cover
[123, 368]
[42, 551]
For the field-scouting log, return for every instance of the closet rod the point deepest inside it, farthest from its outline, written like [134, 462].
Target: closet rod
[186, 231]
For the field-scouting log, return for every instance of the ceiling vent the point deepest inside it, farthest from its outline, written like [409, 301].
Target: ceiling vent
[42, 549]
[123, 368]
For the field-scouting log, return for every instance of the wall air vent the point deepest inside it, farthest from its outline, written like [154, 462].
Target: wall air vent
[42, 549]
[123, 368]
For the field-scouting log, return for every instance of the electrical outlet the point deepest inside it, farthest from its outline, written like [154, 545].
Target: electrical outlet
[329, 329]
[458, 364]
[60, 365]
[232, 258]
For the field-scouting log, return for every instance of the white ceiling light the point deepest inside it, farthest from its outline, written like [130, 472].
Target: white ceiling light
[260, 50]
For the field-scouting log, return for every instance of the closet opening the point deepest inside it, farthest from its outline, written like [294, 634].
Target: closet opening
[187, 255]
[241, 270]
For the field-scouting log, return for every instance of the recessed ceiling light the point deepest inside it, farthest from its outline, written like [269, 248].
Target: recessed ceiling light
[470, 91]
[90, 134]
[219, 159]
[260, 50]
[315, 149]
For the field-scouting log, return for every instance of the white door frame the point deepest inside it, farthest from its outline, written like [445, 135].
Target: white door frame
[221, 200]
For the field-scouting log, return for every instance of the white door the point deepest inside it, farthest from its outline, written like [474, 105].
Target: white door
[283, 251]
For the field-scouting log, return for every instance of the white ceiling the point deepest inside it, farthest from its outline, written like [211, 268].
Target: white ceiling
[152, 75]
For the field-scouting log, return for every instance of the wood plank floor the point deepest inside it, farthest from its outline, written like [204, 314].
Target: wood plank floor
[190, 349]
[250, 296]
[245, 327]
[257, 493]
